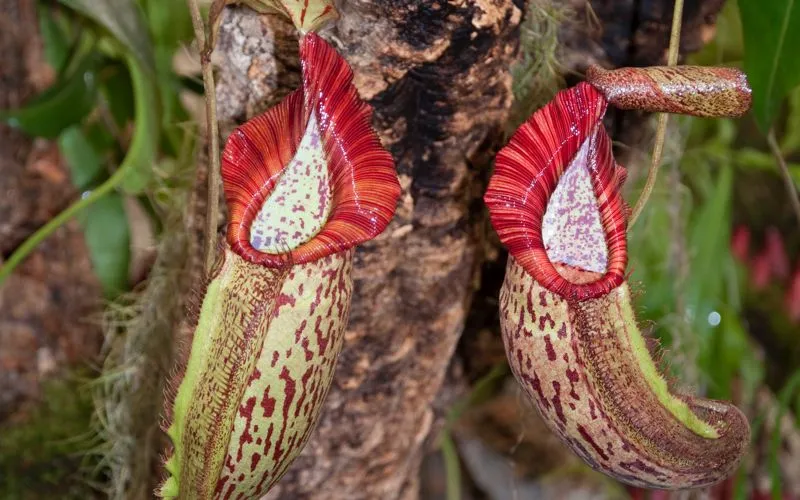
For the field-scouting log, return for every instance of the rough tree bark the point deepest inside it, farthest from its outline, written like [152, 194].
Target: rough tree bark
[437, 74]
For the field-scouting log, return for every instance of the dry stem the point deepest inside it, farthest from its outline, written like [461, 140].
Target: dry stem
[661, 131]
[787, 177]
[212, 132]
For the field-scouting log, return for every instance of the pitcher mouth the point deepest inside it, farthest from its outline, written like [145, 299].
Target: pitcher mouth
[308, 178]
[555, 196]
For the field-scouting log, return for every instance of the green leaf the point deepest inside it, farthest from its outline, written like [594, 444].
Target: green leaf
[788, 392]
[84, 163]
[650, 257]
[124, 20]
[730, 355]
[100, 137]
[771, 37]
[64, 104]
[174, 119]
[790, 142]
[107, 236]
[141, 156]
[169, 21]
[709, 236]
[754, 159]
[54, 38]
[118, 92]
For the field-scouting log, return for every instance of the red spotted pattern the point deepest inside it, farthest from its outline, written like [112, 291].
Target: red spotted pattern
[283, 397]
[689, 90]
[579, 370]
[568, 327]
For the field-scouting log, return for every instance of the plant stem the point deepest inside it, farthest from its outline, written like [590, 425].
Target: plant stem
[212, 132]
[661, 130]
[452, 467]
[480, 389]
[784, 400]
[447, 445]
[787, 177]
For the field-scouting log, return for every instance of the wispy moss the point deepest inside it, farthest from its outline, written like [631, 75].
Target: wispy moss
[537, 75]
[140, 330]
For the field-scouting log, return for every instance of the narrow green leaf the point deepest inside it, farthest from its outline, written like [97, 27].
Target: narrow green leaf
[708, 243]
[788, 392]
[790, 142]
[66, 103]
[141, 155]
[771, 38]
[174, 118]
[452, 466]
[84, 163]
[753, 159]
[108, 239]
[730, 353]
[124, 20]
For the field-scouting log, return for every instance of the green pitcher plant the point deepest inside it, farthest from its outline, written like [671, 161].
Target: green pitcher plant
[568, 326]
[305, 182]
